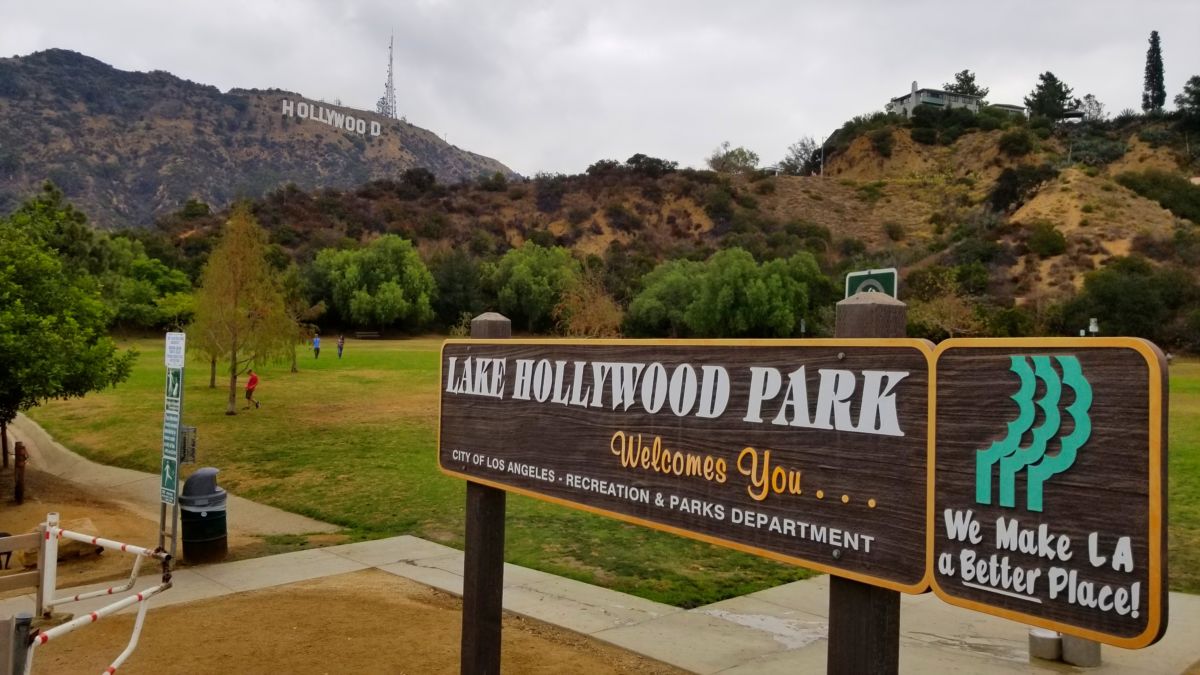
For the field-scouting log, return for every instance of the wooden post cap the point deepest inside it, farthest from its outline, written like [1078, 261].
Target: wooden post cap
[871, 315]
[491, 325]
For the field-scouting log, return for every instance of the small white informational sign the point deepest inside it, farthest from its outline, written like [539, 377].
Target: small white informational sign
[175, 349]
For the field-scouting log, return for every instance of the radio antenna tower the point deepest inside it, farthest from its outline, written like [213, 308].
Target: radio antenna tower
[387, 105]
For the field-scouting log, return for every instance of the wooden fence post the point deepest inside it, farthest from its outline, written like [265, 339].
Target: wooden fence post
[20, 456]
[483, 569]
[864, 620]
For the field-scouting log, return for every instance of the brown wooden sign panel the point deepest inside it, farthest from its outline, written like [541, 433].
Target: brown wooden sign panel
[1049, 485]
[813, 452]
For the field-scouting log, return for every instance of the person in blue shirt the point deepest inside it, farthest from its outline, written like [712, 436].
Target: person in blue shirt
[316, 346]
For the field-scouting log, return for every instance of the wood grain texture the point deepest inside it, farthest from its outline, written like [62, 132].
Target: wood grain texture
[545, 449]
[1108, 489]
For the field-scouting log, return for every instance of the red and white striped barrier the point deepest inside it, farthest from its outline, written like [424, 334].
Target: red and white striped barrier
[53, 533]
[92, 617]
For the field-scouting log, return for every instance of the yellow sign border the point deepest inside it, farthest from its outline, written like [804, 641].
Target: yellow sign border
[1156, 366]
[923, 346]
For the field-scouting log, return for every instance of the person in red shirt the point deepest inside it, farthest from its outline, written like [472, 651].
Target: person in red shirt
[251, 385]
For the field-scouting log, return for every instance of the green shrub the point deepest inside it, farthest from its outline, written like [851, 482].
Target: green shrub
[746, 201]
[766, 187]
[1172, 191]
[882, 141]
[1155, 137]
[894, 231]
[871, 192]
[578, 215]
[1045, 240]
[621, 218]
[1016, 143]
[718, 204]
[1095, 152]
[1014, 185]
[925, 135]
[989, 123]
[851, 247]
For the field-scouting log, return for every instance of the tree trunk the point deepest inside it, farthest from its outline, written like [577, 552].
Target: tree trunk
[232, 408]
[212, 373]
[294, 368]
[4, 441]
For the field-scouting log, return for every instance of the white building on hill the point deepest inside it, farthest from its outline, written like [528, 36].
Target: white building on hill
[938, 98]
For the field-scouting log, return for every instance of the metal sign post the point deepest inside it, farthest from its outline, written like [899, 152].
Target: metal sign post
[172, 410]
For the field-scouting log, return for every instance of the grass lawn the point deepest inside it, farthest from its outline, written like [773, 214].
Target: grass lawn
[352, 442]
[1183, 509]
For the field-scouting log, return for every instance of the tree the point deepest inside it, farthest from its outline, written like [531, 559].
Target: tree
[456, 274]
[53, 341]
[803, 158]
[586, 309]
[529, 283]
[1154, 92]
[735, 297]
[964, 83]
[240, 312]
[1051, 98]
[726, 159]
[660, 308]
[1093, 109]
[1188, 101]
[298, 309]
[382, 285]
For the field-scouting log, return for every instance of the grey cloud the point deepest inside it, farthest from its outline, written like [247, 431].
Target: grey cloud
[556, 85]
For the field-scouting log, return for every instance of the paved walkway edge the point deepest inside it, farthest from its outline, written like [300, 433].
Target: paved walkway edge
[139, 491]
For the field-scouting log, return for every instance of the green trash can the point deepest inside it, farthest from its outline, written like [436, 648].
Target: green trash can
[202, 518]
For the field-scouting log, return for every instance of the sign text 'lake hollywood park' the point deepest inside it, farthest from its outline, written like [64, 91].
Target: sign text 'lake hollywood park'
[1049, 486]
[812, 452]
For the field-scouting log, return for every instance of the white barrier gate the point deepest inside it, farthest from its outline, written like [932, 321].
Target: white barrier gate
[49, 554]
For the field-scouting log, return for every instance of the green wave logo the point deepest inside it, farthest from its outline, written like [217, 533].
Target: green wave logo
[1009, 457]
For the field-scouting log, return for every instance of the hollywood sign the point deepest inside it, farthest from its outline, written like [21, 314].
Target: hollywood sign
[332, 117]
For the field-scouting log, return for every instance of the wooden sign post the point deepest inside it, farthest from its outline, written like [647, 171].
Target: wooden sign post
[483, 564]
[1049, 489]
[864, 620]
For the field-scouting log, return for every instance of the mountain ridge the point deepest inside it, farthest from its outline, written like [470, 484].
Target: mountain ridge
[130, 146]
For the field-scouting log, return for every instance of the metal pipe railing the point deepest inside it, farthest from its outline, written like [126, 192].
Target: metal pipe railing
[54, 533]
[51, 534]
[92, 617]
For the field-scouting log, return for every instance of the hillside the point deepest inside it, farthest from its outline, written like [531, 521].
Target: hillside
[128, 146]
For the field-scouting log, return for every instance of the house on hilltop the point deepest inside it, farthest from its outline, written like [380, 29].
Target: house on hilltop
[938, 98]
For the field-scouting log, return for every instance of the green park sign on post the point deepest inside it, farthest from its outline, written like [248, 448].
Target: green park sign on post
[878, 281]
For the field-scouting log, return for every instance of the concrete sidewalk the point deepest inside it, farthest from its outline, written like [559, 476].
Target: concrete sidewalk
[139, 491]
[779, 630]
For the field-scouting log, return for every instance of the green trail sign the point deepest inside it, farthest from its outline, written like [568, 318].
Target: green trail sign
[172, 408]
[877, 281]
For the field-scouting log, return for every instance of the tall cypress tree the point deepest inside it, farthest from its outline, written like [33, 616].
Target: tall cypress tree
[1154, 92]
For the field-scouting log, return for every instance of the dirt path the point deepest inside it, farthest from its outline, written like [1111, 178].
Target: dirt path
[365, 622]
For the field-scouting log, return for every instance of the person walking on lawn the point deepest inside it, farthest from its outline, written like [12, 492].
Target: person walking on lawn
[316, 346]
[251, 385]
[340, 344]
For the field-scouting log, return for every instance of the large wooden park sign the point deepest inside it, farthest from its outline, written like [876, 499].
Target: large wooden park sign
[811, 452]
[1023, 478]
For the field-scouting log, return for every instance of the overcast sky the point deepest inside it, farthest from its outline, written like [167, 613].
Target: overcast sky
[554, 86]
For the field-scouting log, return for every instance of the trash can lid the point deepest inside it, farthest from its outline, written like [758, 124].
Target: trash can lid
[201, 483]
